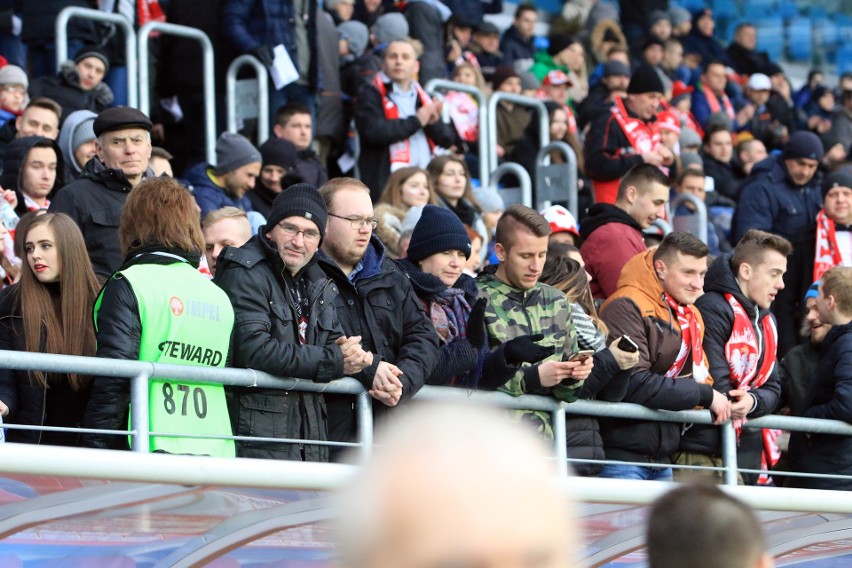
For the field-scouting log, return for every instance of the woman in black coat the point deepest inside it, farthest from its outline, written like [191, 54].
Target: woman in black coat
[48, 311]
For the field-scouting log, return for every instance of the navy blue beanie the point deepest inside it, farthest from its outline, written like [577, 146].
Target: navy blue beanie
[803, 144]
[438, 230]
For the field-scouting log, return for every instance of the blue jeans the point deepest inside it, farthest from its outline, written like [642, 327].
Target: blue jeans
[637, 472]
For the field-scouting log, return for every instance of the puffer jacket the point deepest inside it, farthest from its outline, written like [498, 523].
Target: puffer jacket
[13, 162]
[64, 88]
[831, 398]
[266, 338]
[94, 202]
[210, 196]
[718, 318]
[381, 308]
[29, 402]
[638, 310]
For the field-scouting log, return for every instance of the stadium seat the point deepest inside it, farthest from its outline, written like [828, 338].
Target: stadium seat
[800, 39]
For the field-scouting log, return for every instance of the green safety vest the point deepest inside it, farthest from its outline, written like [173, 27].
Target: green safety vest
[186, 319]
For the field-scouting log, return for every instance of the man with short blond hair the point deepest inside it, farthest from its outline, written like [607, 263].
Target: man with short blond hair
[225, 227]
[831, 396]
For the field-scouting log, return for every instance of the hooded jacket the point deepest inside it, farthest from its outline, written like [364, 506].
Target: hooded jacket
[718, 318]
[637, 309]
[13, 163]
[65, 141]
[831, 398]
[266, 338]
[94, 202]
[64, 88]
[611, 237]
[210, 196]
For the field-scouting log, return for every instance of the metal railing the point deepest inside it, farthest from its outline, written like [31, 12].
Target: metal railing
[262, 95]
[129, 42]
[140, 372]
[438, 85]
[688, 222]
[520, 100]
[556, 181]
[524, 192]
[209, 87]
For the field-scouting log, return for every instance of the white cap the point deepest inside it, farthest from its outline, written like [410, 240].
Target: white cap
[759, 82]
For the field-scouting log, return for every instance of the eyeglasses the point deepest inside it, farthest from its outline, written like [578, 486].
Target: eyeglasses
[358, 222]
[310, 236]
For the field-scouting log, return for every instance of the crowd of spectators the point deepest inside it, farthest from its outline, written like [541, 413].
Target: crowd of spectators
[389, 262]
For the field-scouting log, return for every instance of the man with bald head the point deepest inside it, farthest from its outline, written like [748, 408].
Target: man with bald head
[475, 490]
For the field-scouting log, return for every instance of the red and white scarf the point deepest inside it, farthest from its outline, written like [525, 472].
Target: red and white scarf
[464, 112]
[400, 152]
[827, 251]
[742, 352]
[641, 137]
[713, 102]
[690, 342]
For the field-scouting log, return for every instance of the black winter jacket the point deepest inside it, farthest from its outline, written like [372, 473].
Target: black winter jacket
[29, 402]
[378, 133]
[718, 325]
[13, 163]
[381, 308]
[266, 338]
[64, 88]
[515, 47]
[94, 202]
[831, 399]
[605, 139]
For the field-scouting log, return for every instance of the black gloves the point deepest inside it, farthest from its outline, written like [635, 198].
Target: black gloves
[476, 333]
[264, 54]
[524, 349]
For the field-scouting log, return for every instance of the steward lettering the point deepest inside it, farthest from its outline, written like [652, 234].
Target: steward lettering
[192, 353]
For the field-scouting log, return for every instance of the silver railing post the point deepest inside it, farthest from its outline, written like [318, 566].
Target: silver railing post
[729, 453]
[364, 415]
[262, 95]
[700, 213]
[139, 419]
[560, 439]
[543, 159]
[209, 87]
[523, 177]
[435, 85]
[535, 104]
[61, 26]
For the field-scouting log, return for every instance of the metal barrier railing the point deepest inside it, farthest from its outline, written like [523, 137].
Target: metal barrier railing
[525, 191]
[556, 181]
[262, 95]
[140, 372]
[209, 87]
[129, 42]
[520, 100]
[695, 223]
[437, 85]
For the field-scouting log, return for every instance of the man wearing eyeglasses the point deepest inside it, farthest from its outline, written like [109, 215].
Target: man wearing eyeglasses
[286, 325]
[376, 302]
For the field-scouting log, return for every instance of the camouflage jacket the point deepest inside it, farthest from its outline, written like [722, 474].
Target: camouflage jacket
[512, 312]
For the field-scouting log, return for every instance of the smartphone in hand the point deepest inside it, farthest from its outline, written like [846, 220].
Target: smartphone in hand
[627, 345]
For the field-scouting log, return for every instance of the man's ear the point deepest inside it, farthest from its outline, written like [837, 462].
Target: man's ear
[660, 268]
[278, 130]
[745, 272]
[500, 252]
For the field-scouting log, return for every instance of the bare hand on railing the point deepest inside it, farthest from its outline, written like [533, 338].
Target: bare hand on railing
[354, 358]
[4, 410]
[387, 388]
[551, 373]
[720, 407]
[624, 359]
[741, 403]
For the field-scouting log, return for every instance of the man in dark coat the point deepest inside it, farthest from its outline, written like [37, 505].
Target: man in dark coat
[376, 302]
[79, 85]
[517, 44]
[743, 54]
[783, 196]
[398, 123]
[285, 325]
[740, 340]
[95, 200]
[831, 395]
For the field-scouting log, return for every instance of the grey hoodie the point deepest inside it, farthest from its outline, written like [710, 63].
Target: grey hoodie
[66, 138]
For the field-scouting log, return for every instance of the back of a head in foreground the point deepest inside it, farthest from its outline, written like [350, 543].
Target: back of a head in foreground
[456, 486]
[700, 526]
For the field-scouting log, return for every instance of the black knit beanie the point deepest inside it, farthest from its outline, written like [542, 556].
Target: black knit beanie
[803, 144]
[278, 152]
[645, 80]
[558, 42]
[839, 178]
[300, 200]
[438, 230]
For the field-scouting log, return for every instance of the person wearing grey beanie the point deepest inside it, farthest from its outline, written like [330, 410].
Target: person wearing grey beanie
[77, 141]
[226, 183]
